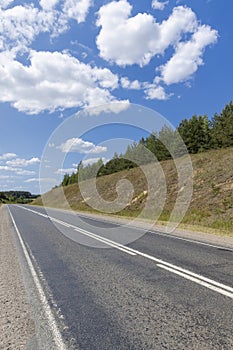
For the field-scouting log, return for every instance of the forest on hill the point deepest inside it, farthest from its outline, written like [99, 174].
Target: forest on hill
[199, 134]
[16, 197]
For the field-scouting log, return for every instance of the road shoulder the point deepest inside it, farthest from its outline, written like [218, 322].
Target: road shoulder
[16, 324]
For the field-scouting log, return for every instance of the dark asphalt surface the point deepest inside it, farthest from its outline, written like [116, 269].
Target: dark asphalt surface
[112, 300]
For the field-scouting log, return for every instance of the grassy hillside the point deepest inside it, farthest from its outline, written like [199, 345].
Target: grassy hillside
[212, 200]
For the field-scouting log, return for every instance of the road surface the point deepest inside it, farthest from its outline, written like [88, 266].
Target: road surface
[157, 292]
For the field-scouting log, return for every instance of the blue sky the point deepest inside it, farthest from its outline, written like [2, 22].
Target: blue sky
[60, 56]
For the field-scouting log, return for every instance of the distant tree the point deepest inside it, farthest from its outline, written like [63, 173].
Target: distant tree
[195, 133]
[222, 127]
[66, 180]
[80, 171]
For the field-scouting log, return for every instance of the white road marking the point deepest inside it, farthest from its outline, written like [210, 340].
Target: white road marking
[105, 241]
[173, 236]
[201, 280]
[87, 233]
[58, 341]
[198, 281]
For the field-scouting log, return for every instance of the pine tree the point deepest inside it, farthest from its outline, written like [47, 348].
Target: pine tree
[222, 127]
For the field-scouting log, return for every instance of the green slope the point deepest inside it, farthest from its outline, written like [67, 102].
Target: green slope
[212, 201]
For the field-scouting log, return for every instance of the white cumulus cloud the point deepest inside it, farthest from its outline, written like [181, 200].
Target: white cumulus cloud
[156, 92]
[22, 23]
[5, 3]
[20, 162]
[188, 56]
[77, 9]
[17, 171]
[113, 107]
[48, 4]
[81, 146]
[131, 85]
[7, 156]
[158, 5]
[19, 25]
[123, 39]
[128, 40]
[53, 80]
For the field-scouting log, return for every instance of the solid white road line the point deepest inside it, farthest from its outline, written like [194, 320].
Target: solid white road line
[58, 341]
[84, 232]
[198, 281]
[106, 241]
[201, 280]
[133, 226]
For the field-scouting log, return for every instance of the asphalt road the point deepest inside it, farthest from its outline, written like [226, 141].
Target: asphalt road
[112, 287]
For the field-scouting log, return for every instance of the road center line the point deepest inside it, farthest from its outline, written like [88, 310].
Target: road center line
[157, 233]
[199, 279]
[87, 233]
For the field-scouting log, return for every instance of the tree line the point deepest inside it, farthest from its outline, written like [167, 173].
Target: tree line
[199, 134]
[16, 197]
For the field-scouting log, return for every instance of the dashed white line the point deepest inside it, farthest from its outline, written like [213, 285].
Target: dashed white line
[199, 281]
[189, 275]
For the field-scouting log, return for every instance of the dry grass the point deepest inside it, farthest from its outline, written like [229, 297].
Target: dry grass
[211, 207]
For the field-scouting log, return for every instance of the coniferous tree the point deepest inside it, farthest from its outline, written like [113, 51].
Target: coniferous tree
[222, 127]
[195, 133]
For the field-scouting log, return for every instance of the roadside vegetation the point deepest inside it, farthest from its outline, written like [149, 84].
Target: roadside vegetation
[210, 144]
[212, 201]
[199, 134]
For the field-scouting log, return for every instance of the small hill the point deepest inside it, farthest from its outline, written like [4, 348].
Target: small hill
[212, 201]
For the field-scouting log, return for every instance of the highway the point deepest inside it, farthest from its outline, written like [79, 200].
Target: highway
[100, 292]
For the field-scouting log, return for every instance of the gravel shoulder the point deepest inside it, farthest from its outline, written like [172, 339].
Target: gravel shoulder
[16, 324]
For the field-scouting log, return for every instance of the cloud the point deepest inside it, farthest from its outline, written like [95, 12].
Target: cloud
[20, 162]
[53, 80]
[182, 21]
[112, 107]
[24, 172]
[48, 4]
[6, 156]
[123, 39]
[36, 179]
[17, 171]
[131, 85]
[5, 3]
[50, 81]
[77, 9]
[157, 5]
[21, 24]
[156, 92]
[81, 146]
[131, 40]
[2, 177]
[65, 171]
[188, 56]
[127, 40]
